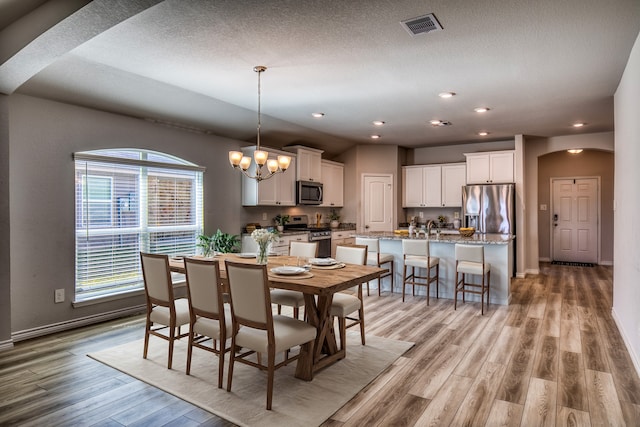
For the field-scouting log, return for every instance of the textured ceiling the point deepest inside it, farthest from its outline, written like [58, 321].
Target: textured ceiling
[538, 65]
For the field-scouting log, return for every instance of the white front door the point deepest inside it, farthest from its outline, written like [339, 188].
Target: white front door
[574, 220]
[377, 201]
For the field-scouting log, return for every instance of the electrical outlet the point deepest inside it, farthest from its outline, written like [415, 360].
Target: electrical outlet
[421, 214]
[543, 207]
[264, 216]
[59, 295]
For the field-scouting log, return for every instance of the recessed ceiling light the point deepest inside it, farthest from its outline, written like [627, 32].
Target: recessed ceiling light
[575, 150]
[436, 123]
[483, 133]
[378, 122]
[446, 94]
[317, 115]
[481, 109]
[375, 136]
[578, 125]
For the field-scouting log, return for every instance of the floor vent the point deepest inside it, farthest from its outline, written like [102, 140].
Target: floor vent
[573, 264]
[421, 24]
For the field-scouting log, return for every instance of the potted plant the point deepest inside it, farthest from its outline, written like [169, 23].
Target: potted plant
[280, 221]
[334, 218]
[218, 242]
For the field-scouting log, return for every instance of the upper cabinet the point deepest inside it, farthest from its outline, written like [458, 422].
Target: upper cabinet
[433, 185]
[308, 163]
[279, 190]
[490, 167]
[332, 184]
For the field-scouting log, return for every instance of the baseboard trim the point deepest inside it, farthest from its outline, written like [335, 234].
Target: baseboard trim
[627, 343]
[76, 323]
[607, 263]
[521, 275]
[545, 259]
[6, 345]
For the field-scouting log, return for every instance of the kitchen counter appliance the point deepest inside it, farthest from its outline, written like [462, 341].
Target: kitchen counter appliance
[322, 235]
[489, 208]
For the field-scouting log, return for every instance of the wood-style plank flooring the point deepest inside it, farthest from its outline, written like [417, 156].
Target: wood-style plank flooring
[552, 357]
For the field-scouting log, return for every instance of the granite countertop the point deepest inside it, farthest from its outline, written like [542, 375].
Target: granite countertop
[480, 239]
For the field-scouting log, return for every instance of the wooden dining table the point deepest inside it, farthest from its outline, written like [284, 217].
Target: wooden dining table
[318, 287]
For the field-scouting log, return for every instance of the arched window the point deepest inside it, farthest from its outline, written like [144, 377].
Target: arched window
[128, 201]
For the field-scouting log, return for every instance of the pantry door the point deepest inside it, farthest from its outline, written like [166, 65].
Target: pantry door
[377, 201]
[574, 219]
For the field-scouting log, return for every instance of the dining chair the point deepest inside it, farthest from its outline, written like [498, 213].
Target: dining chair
[416, 254]
[162, 308]
[256, 329]
[374, 257]
[343, 305]
[470, 260]
[289, 298]
[210, 318]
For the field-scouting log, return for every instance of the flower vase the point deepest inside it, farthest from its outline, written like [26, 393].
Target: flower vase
[261, 256]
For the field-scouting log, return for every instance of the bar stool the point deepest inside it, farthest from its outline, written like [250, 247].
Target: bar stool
[416, 255]
[374, 257]
[470, 260]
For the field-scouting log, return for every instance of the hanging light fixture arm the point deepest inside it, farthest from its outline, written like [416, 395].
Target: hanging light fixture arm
[238, 161]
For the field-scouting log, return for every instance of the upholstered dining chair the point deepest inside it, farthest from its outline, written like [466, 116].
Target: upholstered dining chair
[416, 254]
[374, 257]
[256, 329]
[470, 260]
[343, 305]
[294, 299]
[162, 308]
[210, 318]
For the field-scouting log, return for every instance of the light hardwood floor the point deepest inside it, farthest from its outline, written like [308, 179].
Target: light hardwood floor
[552, 357]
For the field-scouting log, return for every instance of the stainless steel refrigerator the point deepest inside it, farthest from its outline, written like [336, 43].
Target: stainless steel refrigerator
[489, 208]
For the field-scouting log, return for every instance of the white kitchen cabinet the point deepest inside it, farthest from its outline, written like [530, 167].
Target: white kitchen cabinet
[309, 160]
[454, 177]
[493, 167]
[332, 184]
[279, 190]
[433, 185]
[343, 237]
[281, 245]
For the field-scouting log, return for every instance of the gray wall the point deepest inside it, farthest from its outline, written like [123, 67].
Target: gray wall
[453, 153]
[43, 136]
[588, 163]
[5, 246]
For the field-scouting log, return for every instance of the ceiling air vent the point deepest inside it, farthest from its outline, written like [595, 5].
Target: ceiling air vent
[422, 24]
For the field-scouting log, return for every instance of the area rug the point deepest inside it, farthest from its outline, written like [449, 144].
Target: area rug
[573, 264]
[295, 402]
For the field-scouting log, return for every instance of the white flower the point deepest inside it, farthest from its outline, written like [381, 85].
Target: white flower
[263, 236]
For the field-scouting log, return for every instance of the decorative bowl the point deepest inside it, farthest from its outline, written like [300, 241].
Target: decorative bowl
[467, 232]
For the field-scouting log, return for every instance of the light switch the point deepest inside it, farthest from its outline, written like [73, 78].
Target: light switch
[543, 207]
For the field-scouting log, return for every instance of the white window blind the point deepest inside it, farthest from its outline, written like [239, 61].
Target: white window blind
[128, 201]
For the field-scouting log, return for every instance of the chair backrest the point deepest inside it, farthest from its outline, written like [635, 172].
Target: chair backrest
[249, 292]
[303, 249]
[415, 247]
[352, 254]
[472, 253]
[157, 278]
[373, 245]
[203, 287]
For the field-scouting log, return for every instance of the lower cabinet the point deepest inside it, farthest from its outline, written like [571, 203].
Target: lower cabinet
[281, 246]
[341, 238]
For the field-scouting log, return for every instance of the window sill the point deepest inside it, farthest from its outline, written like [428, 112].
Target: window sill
[88, 300]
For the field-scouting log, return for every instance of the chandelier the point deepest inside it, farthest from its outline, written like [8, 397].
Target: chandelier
[241, 162]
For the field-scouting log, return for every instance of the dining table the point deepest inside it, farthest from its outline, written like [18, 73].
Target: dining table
[318, 285]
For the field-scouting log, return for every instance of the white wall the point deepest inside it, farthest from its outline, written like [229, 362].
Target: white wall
[5, 248]
[43, 135]
[626, 249]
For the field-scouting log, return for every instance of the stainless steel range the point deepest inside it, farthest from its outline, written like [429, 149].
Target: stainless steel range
[322, 235]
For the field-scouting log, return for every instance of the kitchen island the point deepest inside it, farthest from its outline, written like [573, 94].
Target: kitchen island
[498, 251]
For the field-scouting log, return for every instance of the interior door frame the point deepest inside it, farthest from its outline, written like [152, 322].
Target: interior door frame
[393, 197]
[598, 211]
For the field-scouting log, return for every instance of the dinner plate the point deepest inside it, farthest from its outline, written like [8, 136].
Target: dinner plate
[323, 261]
[288, 270]
[247, 255]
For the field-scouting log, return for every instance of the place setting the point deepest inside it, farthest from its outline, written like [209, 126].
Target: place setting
[326, 263]
[291, 271]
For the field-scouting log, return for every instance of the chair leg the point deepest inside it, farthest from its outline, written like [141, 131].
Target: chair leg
[361, 314]
[455, 293]
[342, 327]
[296, 312]
[437, 281]
[172, 335]
[190, 349]
[231, 360]
[220, 364]
[404, 283]
[464, 280]
[146, 338]
[271, 368]
[428, 286]
[392, 274]
[279, 309]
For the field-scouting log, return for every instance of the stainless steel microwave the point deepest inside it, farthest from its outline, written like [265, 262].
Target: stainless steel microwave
[309, 193]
